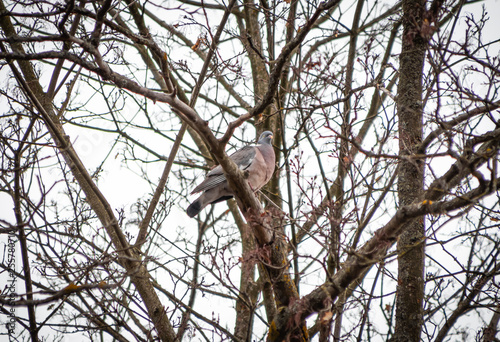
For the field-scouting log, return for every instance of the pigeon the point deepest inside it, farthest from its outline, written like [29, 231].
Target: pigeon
[257, 161]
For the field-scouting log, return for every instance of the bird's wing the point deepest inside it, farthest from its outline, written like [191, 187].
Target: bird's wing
[210, 182]
[243, 158]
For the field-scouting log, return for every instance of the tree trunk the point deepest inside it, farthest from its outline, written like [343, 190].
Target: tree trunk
[410, 288]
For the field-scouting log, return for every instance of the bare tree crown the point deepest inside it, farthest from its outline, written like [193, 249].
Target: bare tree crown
[380, 220]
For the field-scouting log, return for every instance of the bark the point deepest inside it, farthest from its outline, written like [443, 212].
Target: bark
[410, 288]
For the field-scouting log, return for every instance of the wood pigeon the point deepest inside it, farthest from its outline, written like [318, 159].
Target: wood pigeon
[257, 160]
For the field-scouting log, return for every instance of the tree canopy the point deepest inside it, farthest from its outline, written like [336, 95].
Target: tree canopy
[380, 221]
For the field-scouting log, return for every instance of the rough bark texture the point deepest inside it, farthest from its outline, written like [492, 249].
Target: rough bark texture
[410, 289]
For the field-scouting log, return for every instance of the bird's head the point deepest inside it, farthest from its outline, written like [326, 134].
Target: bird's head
[266, 137]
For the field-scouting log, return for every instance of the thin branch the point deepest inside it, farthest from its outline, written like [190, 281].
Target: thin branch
[57, 295]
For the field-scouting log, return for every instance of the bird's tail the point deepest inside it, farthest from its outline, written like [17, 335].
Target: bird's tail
[194, 208]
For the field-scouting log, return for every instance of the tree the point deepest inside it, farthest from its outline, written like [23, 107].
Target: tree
[381, 219]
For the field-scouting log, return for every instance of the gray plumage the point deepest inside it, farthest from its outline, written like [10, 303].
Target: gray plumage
[257, 160]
